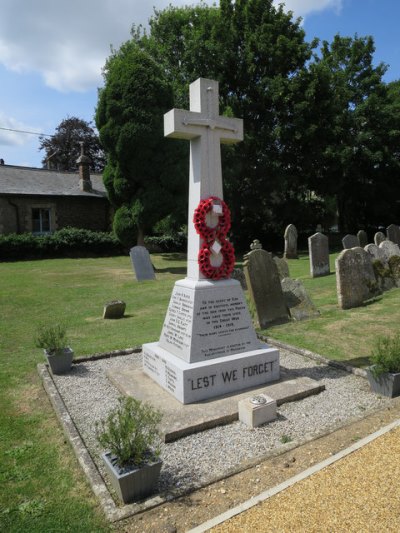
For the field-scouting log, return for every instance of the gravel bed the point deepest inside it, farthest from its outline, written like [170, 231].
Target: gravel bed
[200, 458]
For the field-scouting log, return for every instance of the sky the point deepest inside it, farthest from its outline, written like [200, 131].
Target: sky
[52, 53]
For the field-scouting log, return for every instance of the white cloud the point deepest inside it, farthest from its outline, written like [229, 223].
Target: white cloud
[10, 137]
[68, 41]
[301, 8]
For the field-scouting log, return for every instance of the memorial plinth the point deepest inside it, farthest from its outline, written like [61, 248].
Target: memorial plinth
[208, 346]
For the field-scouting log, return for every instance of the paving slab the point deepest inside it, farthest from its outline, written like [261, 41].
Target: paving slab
[180, 420]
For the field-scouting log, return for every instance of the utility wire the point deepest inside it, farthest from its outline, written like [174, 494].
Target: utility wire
[29, 132]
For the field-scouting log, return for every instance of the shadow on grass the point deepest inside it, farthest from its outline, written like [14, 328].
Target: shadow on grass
[171, 270]
[358, 362]
[174, 256]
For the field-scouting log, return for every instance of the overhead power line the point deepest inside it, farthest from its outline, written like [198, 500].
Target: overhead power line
[29, 132]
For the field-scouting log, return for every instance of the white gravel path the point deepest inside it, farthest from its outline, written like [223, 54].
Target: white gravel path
[198, 459]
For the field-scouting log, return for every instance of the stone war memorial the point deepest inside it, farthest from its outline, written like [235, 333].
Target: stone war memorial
[208, 346]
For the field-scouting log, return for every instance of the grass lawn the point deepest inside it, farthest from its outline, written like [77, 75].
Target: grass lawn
[42, 487]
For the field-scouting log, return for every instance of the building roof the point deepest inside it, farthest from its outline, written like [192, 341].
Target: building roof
[38, 181]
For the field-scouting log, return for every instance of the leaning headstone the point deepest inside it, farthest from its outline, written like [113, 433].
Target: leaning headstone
[349, 241]
[318, 249]
[389, 249]
[362, 238]
[282, 266]
[141, 263]
[297, 300]
[379, 237]
[114, 309]
[265, 288]
[393, 233]
[238, 274]
[208, 346]
[355, 278]
[290, 242]
[375, 252]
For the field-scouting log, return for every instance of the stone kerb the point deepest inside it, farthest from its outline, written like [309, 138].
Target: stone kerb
[349, 241]
[393, 233]
[355, 278]
[318, 249]
[265, 288]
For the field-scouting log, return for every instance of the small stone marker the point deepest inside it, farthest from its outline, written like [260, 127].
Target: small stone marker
[362, 238]
[290, 237]
[297, 300]
[257, 410]
[379, 237]
[282, 266]
[389, 249]
[349, 241]
[318, 249]
[265, 288]
[355, 278]
[393, 233]
[114, 309]
[141, 263]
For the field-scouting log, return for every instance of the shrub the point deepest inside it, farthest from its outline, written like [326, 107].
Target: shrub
[51, 338]
[174, 242]
[130, 431]
[385, 356]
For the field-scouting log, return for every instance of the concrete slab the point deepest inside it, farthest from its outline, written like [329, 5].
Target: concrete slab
[180, 420]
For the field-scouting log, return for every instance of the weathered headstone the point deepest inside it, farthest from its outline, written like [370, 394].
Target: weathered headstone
[362, 238]
[297, 300]
[238, 274]
[265, 288]
[318, 250]
[208, 346]
[114, 309]
[375, 252]
[355, 278]
[379, 237]
[349, 241]
[282, 266]
[290, 237]
[141, 263]
[393, 233]
[389, 249]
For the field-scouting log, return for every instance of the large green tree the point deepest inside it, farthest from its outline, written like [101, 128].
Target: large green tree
[141, 175]
[63, 148]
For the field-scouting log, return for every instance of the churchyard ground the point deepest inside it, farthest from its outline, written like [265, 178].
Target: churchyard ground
[43, 488]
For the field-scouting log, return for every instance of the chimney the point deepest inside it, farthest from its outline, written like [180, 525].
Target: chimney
[83, 162]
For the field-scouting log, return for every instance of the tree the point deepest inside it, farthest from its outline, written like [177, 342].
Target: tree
[63, 148]
[142, 175]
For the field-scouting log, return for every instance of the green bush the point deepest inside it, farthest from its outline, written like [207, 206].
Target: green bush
[51, 338]
[64, 243]
[130, 431]
[176, 242]
[385, 356]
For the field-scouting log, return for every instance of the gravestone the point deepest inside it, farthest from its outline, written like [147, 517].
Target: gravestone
[290, 237]
[297, 300]
[389, 249]
[393, 233]
[375, 252]
[282, 266]
[379, 237]
[265, 288]
[362, 238]
[318, 250]
[141, 263]
[238, 274]
[355, 278]
[208, 346]
[256, 245]
[349, 241]
[114, 309]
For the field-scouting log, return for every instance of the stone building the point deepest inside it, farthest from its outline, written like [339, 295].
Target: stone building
[40, 201]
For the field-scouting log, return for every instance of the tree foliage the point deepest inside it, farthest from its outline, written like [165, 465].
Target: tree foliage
[64, 148]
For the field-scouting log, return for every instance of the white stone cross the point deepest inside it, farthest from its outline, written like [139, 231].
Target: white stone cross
[205, 129]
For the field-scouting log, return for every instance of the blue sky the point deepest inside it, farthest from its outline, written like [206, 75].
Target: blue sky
[52, 53]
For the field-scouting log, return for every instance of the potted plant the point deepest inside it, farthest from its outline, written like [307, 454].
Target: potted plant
[53, 340]
[129, 434]
[384, 373]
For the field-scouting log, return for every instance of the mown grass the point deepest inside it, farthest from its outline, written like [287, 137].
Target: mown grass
[42, 487]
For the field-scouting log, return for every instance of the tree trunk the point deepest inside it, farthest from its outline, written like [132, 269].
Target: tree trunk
[140, 237]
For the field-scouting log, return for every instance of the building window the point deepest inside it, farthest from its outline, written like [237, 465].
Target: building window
[41, 220]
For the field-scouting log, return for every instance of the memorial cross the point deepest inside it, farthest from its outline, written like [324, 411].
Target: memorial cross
[205, 129]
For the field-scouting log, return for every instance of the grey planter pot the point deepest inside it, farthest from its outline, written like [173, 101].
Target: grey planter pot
[386, 384]
[133, 485]
[61, 361]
